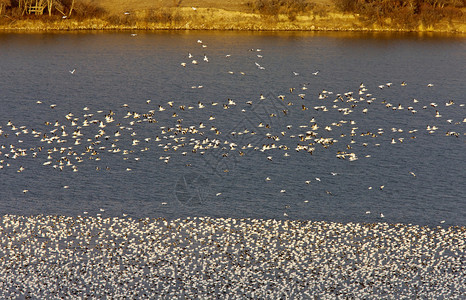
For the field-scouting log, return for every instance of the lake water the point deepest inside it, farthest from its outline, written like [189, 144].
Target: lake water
[379, 165]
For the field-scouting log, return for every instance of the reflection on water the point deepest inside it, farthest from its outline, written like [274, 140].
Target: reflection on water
[133, 131]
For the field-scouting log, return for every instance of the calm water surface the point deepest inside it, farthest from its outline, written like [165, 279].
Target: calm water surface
[422, 171]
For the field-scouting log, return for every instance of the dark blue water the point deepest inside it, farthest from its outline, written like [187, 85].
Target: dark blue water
[423, 174]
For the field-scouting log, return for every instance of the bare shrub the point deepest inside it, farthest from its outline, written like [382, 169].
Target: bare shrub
[320, 10]
[405, 13]
[452, 13]
[429, 15]
[445, 3]
[161, 15]
[4, 4]
[272, 8]
[346, 5]
[87, 9]
[122, 19]
[405, 18]
[177, 3]
[14, 12]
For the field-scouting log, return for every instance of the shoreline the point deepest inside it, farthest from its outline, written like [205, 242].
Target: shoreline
[162, 28]
[44, 29]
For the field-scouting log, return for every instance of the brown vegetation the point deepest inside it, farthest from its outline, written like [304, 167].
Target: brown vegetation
[404, 14]
[432, 15]
[4, 4]
[274, 8]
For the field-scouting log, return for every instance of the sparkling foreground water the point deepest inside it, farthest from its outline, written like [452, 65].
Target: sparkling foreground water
[80, 257]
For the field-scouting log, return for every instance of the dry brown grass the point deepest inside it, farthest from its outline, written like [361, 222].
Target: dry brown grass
[120, 6]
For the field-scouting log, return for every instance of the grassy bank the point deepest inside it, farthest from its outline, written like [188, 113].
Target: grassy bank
[222, 15]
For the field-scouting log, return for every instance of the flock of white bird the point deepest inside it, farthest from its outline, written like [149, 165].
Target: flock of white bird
[92, 134]
[95, 257]
[52, 257]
